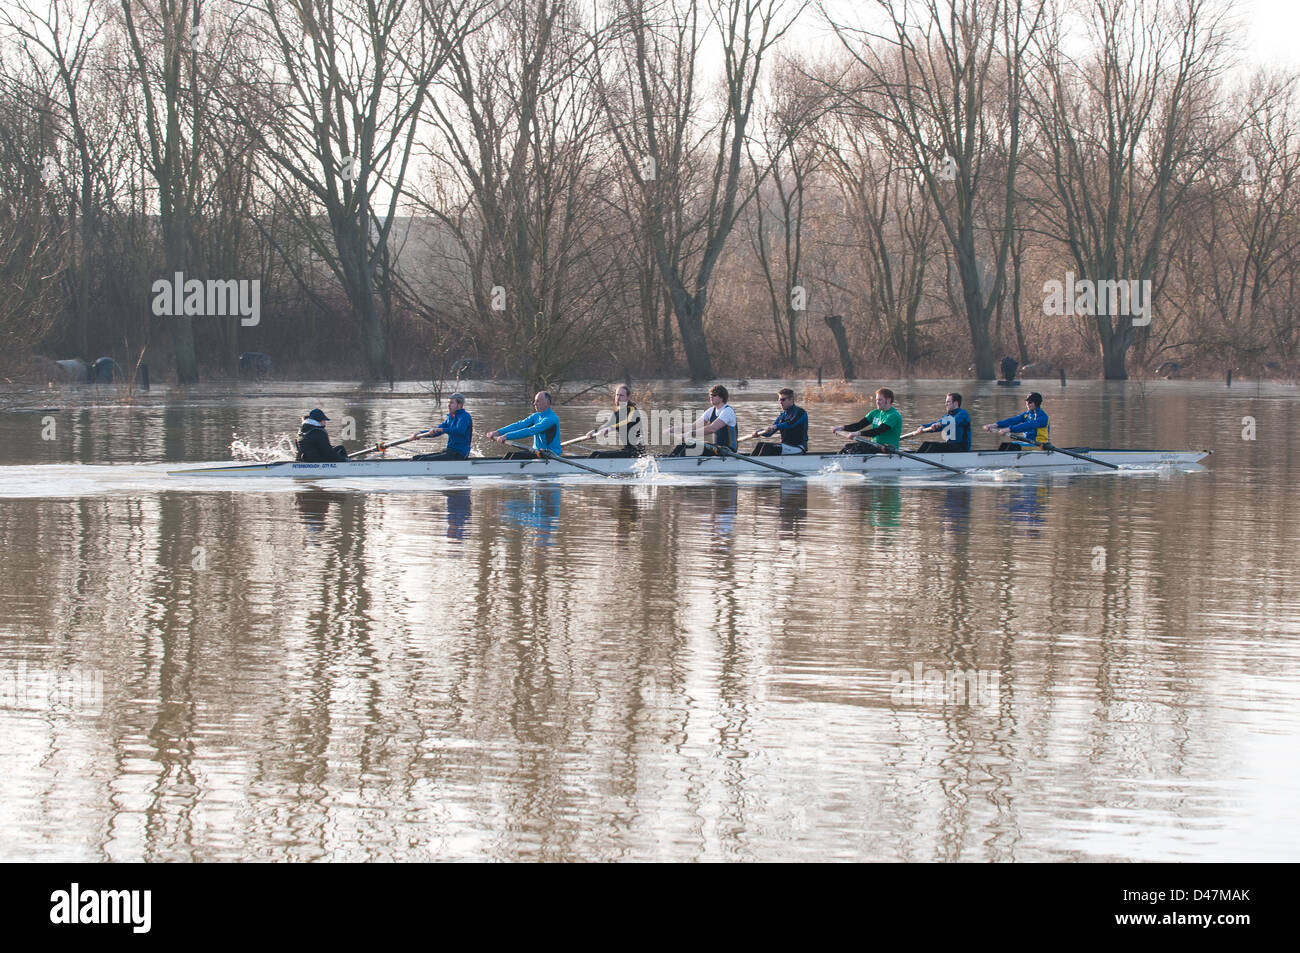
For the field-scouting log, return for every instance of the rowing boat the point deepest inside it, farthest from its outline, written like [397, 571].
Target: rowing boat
[810, 464]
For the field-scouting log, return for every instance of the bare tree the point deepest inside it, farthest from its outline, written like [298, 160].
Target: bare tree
[786, 159]
[939, 76]
[343, 88]
[690, 169]
[61, 38]
[1127, 133]
[1240, 241]
[163, 58]
[33, 248]
[893, 225]
[517, 122]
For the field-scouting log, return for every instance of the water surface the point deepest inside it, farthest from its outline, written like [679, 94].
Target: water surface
[1052, 668]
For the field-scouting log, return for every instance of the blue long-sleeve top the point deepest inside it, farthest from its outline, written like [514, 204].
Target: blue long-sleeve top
[459, 428]
[1031, 426]
[957, 424]
[543, 427]
[793, 427]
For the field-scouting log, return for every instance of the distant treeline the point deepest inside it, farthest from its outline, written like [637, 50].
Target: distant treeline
[646, 187]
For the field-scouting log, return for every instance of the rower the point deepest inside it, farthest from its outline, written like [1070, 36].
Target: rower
[955, 425]
[792, 424]
[625, 424]
[719, 420]
[314, 443]
[884, 425]
[543, 426]
[457, 426]
[1027, 428]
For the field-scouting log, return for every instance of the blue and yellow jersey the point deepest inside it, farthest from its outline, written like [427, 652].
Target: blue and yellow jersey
[1031, 426]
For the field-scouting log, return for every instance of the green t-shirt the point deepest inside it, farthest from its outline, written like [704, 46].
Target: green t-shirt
[890, 418]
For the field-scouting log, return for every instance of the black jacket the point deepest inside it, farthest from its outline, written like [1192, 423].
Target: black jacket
[314, 446]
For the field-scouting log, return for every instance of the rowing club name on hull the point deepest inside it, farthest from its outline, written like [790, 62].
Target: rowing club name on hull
[215, 297]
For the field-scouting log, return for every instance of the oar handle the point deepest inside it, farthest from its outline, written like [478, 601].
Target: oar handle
[381, 446]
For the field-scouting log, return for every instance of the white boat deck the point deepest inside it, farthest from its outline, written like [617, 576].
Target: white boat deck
[810, 464]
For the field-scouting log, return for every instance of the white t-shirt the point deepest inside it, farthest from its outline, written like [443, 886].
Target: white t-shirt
[726, 415]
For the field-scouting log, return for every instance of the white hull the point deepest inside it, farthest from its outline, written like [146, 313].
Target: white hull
[804, 464]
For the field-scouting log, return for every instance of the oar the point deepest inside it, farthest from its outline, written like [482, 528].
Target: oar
[727, 451]
[1069, 453]
[565, 443]
[910, 456]
[547, 455]
[381, 446]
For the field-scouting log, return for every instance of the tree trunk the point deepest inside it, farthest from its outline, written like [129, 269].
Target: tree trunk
[836, 324]
[181, 325]
[690, 322]
[981, 340]
[1114, 349]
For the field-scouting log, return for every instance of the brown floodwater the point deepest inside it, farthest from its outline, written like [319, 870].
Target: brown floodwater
[933, 668]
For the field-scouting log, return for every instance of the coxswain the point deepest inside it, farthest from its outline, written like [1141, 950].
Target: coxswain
[791, 424]
[314, 442]
[955, 425]
[457, 427]
[719, 422]
[1030, 427]
[625, 426]
[543, 426]
[884, 425]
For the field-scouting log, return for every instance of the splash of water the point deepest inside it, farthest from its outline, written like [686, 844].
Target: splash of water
[281, 449]
[645, 469]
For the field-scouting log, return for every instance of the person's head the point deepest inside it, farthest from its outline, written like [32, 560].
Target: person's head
[884, 398]
[952, 401]
[785, 397]
[1035, 400]
[622, 395]
[455, 403]
[317, 415]
[542, 400]
[718, 392]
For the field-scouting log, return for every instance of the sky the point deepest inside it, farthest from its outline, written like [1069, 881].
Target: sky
[1270, 28]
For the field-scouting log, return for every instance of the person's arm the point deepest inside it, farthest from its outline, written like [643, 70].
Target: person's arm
[531, 426]
[789, 424]
[855, 426]
[714, 427]
[520, 428]
[1007, 424]
[691, 429]
[931, 427]
[437, 431]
